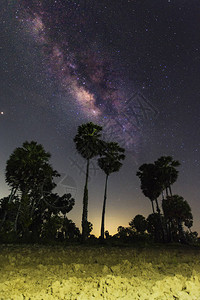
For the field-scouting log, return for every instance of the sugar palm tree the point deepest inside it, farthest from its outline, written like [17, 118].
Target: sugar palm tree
[152, 187]
[28, 173]
[150, 183]
[26, 165]
[168, 173]
[109, 162]
[88, 145]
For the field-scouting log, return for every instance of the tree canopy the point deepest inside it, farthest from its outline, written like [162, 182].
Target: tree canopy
[32, 204]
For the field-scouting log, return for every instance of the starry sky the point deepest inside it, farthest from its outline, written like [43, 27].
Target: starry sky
[130, 66]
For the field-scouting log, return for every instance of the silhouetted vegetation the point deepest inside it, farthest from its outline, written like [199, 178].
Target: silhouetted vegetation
[109, 162]
[88, 145]
[157, 179]
[33, 213]
[139, 224]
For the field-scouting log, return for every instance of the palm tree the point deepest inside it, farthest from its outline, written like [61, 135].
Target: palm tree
[150, 183]
[88, 145]
[109, 162]
[29, 174]
[152, 187]
[168, 173]
[26, 166]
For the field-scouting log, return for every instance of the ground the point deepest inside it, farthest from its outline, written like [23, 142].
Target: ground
[82, 272]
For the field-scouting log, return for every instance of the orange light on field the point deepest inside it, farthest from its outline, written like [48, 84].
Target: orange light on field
[2, 112]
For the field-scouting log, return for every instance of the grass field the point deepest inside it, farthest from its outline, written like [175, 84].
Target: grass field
[96, 272]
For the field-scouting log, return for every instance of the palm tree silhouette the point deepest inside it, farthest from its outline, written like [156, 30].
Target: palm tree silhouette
[152, 187]
[29, 174]
[150, 183]
[88, 145]
[168, 173]
[25, 166]
[109, 162]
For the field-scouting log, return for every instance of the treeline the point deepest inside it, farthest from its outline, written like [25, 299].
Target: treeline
[172, 221]
[33, 212]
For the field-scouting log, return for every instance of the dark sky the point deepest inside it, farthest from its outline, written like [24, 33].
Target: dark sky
[131, 66]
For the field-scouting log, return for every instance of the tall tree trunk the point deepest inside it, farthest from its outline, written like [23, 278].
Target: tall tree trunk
[85, 205]
[157, 206]
[22, 201]
[167, 194]
[104, 208]
[160, 221]
[152, 207]
[12, 194]
[181, 231]
[17, 216]
[170, 190]
[35, 203]
[169, 231]
[171, 235]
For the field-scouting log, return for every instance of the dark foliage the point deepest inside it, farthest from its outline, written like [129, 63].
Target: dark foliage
[88, 145]
[31, 207]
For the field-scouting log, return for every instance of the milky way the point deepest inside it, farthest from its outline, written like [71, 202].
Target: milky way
[116, 63]
[71, 37]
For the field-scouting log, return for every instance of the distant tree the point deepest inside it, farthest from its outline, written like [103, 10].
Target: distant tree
[191, 237]
[52, 205]
[177, 212]
[167, 172]
[69, 230]
[88, 145]
[139, 223]
[124, 232]
[107, 235]
[154, 228]
[51, 227]
[89, 228]
[109, 162]
[155, 178]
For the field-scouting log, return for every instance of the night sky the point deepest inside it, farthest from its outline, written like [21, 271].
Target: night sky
[131, 66]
